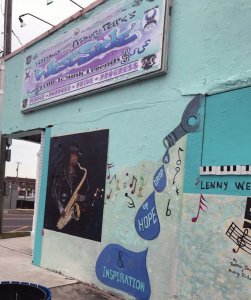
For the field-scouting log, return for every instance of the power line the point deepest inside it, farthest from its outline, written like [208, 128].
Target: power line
[1, 6]
[17, 37]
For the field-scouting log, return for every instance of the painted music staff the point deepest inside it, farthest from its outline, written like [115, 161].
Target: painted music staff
[240, 238]
[202, 207]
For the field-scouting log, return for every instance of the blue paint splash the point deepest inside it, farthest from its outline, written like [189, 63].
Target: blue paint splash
[147, 221]
[124, 270]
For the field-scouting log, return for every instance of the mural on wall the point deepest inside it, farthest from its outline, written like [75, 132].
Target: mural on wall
[76, 184]
[202, 207]
[190, 122]
[210, 245]
[218, 174]
[140, 189]
[122, 43]
[146, 221]
[240, 238]
[124, 270]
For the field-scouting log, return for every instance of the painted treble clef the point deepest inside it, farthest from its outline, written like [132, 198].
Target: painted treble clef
[241, 241]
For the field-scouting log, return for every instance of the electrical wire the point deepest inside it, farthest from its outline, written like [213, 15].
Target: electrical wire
[17, 37]
[1, 7]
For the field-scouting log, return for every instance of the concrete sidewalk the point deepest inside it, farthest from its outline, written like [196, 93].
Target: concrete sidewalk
[16, 265]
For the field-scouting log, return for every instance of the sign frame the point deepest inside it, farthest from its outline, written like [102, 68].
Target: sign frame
[145, 66]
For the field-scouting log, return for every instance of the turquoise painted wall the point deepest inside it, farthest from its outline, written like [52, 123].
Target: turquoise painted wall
[209, 52]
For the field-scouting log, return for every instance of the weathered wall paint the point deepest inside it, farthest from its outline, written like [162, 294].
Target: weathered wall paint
[190, 251]
[216, 216]
[208, 264]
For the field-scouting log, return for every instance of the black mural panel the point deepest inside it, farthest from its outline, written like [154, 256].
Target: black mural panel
[76, 184]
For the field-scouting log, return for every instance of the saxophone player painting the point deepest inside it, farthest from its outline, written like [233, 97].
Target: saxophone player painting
[76, 184]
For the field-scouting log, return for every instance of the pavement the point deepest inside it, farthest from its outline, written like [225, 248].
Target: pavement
[16, 265]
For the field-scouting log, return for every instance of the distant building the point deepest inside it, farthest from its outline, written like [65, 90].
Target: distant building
[20, 192]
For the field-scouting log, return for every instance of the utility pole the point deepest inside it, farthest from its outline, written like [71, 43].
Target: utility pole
[17, 169]
[2, 177]
[7, 27]
[6, 51]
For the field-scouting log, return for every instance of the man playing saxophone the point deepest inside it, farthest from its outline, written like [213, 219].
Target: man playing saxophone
[70, 189]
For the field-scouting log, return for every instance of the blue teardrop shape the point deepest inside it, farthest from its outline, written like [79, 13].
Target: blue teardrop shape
[159, 180]
[147, 221]
[166, 158]
[124, 270]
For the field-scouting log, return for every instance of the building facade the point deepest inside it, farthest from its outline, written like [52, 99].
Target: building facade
[144, 181]
[19, 192]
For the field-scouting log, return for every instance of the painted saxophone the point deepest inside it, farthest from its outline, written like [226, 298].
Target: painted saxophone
[72, 210]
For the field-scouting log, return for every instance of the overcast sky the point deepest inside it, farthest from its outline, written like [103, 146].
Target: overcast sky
[26, 152]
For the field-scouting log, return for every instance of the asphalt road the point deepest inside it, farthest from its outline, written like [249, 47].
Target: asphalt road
[17, 221]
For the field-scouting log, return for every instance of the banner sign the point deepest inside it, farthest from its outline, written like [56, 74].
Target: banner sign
[121, 44]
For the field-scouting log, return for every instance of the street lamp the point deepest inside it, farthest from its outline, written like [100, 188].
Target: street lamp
[50, 1]
[23, 23]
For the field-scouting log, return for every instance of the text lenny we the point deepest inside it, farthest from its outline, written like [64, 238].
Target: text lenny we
[224, 185]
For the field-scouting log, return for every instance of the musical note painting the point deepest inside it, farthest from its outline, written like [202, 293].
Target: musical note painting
[240, 238]
[202, 207]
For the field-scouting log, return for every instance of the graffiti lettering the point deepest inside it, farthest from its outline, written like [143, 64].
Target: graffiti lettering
[93, 35]
[114, 23]
[87, 52]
